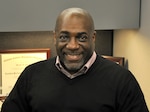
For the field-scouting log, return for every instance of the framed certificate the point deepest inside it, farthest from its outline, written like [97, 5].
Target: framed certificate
[13, 62]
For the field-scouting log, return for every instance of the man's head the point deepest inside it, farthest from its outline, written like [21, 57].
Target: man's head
[74, 38]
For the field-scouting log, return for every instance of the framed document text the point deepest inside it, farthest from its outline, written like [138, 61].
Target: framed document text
[13, 62]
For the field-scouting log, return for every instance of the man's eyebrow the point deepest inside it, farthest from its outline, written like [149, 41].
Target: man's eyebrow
[66, 32]
[81, 33]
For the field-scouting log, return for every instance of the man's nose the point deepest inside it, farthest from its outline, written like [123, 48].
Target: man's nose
[72, 44]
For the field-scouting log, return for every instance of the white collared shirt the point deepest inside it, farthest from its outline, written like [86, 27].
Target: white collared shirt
[83, 70]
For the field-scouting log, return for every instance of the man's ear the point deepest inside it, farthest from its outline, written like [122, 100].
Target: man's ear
[54, 36]
[94, 36]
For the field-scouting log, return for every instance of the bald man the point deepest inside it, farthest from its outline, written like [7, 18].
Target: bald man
[77, 79]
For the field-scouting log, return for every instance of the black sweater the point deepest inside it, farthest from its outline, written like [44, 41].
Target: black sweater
[106, 87]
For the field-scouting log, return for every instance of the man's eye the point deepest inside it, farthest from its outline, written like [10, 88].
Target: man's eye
[63, 38]
[83, 38]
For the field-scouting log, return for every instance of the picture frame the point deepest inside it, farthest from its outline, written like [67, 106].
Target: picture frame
[13, 62]
[44, 50]
[118, 60]
[2, 98]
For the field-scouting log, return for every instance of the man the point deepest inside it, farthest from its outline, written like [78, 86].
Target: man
[77, 80]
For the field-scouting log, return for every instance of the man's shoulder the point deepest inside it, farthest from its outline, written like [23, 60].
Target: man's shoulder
[108, 66]
[44, 63]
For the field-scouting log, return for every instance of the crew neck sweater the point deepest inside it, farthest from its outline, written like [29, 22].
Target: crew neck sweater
[106, 87]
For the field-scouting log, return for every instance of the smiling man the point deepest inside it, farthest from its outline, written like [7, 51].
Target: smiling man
[74, 39]
[77, 79]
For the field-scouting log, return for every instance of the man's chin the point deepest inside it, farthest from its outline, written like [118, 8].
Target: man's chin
[73, 66]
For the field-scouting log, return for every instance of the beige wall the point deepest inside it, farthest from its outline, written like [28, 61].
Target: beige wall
[136, 50]
[134, 45]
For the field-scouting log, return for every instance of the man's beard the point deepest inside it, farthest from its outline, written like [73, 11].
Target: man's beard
[73, 67]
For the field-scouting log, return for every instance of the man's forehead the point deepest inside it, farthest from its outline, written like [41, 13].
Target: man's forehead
[67, 32]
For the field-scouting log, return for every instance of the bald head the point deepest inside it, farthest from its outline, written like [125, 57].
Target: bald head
[75, 12]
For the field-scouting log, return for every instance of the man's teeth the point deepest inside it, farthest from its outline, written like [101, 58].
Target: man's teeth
[72, 54]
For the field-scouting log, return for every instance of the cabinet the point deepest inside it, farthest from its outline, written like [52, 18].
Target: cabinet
[40, 15]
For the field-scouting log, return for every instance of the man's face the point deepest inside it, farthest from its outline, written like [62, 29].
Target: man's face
[74, 43]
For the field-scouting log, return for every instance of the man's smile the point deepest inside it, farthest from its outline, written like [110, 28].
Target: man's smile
[73, 56]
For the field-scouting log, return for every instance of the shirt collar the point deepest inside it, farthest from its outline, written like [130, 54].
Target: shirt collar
[83, 70]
